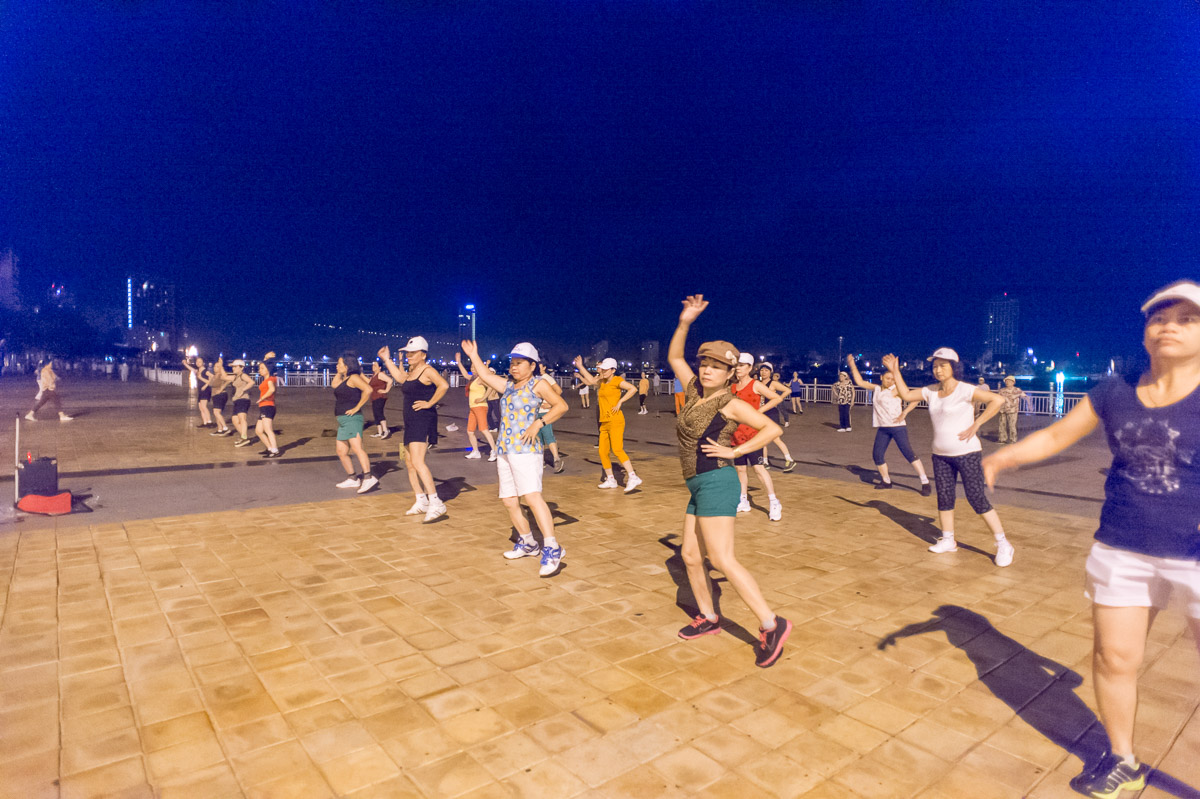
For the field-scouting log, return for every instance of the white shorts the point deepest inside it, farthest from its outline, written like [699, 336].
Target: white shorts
[1122, 579]
[520, 474]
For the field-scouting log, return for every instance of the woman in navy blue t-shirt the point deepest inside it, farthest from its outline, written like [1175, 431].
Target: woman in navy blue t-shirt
[1148, 543]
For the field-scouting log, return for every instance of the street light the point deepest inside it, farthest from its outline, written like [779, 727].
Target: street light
[839, 358]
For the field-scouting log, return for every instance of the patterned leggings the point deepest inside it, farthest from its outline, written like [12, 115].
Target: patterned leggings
[946, 469]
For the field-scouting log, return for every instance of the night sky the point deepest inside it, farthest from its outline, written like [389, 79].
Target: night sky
[874, 170]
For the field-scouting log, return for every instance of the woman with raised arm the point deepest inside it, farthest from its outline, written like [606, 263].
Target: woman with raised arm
[888, 413]
[381, 384]
[519, 464]
[546, 434]
[351, 392]
[203, 389]
[705, 427]
[609, 400]
[422, 388]
[769, 379]
[1148, 542]
[477, 411]
[956, 447]
[752, 392]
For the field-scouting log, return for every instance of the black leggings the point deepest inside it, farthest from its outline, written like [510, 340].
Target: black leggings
[945, 471]
[641, 401]
[377, 410]
[843, 416]
[885, 436]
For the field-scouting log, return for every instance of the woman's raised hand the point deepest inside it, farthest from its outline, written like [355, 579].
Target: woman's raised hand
[470, 348]
[693, 306]
[385, 352]
[890, 361]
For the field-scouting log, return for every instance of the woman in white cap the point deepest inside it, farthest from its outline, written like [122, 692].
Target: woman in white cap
[705, 427]
[957, 450]
[422, 388]
[519, 460]
[1148, 543]
[242, 384]
[888, 413]
[609, 400]
[752, 392]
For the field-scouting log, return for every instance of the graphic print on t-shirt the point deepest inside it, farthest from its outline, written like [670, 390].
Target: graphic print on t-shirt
[1151, 456]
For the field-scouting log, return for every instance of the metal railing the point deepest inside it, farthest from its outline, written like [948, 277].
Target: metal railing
[1034, 403]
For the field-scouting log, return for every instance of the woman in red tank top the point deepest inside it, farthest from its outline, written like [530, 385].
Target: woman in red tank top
[752, 392]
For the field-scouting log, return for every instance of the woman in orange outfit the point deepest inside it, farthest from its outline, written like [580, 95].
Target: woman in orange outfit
[609, 400]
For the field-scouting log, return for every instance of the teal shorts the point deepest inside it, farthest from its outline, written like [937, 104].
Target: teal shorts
[546, 434]
[349, 426]
[714, 493]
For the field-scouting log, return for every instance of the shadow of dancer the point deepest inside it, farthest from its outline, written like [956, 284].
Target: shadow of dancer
[920, 526]
[1039, 690]
[685, 600]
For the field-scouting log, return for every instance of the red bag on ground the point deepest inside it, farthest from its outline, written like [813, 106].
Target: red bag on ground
[57, 505]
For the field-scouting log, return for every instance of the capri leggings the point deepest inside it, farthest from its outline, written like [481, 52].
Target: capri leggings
[884, 436]
[945, 471]
[612, 437]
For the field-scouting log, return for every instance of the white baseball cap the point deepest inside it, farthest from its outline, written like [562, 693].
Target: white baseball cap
[608, 363]
[746, 358]
[238, 362]
[1182, 290]
[416, 344]
[945, 353]
[525, 350]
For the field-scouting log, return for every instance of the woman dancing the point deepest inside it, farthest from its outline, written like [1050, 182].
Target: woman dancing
[1148, 543]
[609, 400]
[888, 413]
[705, 429]
[956, 446]
[351, 392]
[423, 388]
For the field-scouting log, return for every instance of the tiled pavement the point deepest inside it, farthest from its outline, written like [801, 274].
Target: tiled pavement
[339, 648]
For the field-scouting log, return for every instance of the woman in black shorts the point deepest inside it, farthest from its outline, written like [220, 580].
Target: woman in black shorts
[204, 389]
[422, 388]
[219, 386]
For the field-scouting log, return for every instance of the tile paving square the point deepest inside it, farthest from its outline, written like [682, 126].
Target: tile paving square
[338, 648]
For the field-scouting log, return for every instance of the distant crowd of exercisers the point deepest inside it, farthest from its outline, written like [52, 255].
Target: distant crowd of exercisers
[1147, 544]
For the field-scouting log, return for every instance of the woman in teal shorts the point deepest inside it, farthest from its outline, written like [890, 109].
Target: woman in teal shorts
[705, 428]
[351, 392]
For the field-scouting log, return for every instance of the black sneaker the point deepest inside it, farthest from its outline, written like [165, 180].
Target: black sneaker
[926, 489]
[242, 442]
[788, 466]
[1111, 776]
[770, 644]
[700, 626]
[880, 486]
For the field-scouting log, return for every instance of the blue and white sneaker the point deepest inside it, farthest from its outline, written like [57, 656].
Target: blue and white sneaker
[551, 558]
[521, 550]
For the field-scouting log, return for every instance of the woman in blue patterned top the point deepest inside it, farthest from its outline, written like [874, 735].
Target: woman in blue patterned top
[1148, 543]
[519, 449]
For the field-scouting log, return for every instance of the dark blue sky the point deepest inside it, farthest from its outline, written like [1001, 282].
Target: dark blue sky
[875, 170]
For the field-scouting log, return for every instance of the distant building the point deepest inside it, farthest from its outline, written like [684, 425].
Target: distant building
[648, 357]
[599, 351]
[10, 297]
[1000, 333]
[466, 323]
[150, 316]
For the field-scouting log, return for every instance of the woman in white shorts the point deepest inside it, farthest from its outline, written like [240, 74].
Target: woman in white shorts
[1148, 542]
[519, 450]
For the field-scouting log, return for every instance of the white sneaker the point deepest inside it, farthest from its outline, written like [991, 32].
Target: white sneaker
[1004, 554]
[633, 482]
[744, 505]
[436, 508]
[473, 455]
[62, 417]
[610, 482]
[31, 417]
[377, 435]
[349, 482]
[776, 511]
[369, 482]
[492, 457]
[944, 544]
[521, 550]
[451, 428]
[420, 506]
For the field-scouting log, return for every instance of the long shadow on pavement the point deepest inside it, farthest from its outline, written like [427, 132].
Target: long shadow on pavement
[1039, 690]
[686, 600]
[920, 526]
